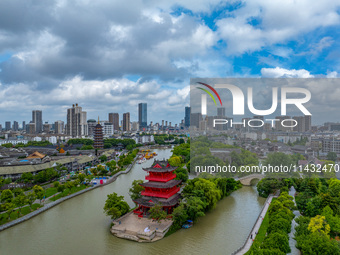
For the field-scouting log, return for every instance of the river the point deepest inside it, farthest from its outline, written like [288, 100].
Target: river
[79, 226]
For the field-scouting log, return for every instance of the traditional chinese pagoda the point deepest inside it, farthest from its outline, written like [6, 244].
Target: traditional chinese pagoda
[98, 136]
[161, 188]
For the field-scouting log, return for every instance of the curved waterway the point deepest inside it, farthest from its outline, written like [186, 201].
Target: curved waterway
[79, 226]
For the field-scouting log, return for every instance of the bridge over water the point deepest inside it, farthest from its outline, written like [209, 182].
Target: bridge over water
[246, 180]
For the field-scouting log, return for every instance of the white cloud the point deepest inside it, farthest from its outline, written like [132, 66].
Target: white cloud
[277, 22]
[279, 72]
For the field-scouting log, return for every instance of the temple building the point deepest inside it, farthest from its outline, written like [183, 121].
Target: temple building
[98, 136]
[161, 188]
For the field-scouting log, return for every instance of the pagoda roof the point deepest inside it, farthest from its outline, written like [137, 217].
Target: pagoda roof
[152, 201]
[160, 166]
[162, 185]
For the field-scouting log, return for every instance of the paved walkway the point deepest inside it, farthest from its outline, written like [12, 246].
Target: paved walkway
[292, 241]
[256, 227]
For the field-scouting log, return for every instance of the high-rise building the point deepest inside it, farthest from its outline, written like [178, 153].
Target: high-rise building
[37, 120]
[308, 122]
[287, 123]
[187, 116]
[195, 119]
[107, 128]
[15, 126]
[7, 125]
[30, 128]
[135, 126]
[24, 125]
[142, 115]
[221, 111]
[126, 122]
[59, 127]
[91, 123]
[46, 127]
[98, 136]
[114, 119]
[76, 122]
[0, 127]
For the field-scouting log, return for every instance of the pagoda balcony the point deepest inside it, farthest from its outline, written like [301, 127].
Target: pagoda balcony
[160, 194]
[160, 178]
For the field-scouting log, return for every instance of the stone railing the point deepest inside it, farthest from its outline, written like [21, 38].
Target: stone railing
[269, 198]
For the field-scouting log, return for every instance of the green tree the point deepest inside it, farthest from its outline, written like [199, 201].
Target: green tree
[136, 189]
[103, 158]
[31, 197]
[9, 209]
[27, 177]
[181, 174]
[267, 186]
[6, 196]
[115, 206]
[179, 216]
[56, 184]
[81, 177]
[317, 243]
[331, 156]
[175, 161]
[278, 225]
[319, 224]
[157, 213]
[277, 240]
[20, 201]
[39, 192]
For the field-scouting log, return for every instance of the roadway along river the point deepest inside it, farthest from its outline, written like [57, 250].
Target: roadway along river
[79, 226]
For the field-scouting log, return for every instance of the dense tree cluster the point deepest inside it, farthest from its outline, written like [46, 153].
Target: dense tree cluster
[115, 206]
[276, 240]
[199, 196]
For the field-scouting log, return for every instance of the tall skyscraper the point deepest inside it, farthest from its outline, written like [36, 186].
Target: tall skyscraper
[76, 122]
[7, 125]
[91, 123]
[187, 116]
[59, 127]
[195, 119]
[24, 125]
[114, 119]
[47, 127]
[15, 126]
[37, 120]
[126, 122]
[142, 115]
[308, 122]
[30, 128]
[221, 111]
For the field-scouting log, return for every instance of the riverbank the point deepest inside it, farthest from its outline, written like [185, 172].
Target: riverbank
[60, 200]
[79, 226]
[256, 228]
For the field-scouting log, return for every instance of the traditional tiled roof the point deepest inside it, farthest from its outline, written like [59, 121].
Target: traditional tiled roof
[161, 185]
[36, 154]
[160, 166]
[152, 201]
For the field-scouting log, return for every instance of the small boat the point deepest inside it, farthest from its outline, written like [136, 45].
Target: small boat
[188, 224]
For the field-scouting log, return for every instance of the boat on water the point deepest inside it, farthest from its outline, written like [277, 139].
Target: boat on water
[188, 224]
[142, 160]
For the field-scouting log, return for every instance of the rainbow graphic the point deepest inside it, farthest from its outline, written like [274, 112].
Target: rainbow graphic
[209, 93]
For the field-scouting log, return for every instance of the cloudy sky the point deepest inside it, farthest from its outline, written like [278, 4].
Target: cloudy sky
[108, 56]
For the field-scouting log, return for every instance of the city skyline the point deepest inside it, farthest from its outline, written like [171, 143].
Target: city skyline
[109, 63]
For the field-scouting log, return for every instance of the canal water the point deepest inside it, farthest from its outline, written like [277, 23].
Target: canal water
[79, 226]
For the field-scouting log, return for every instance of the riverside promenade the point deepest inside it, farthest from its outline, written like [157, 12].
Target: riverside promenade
[60, 200]
[249, 241]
